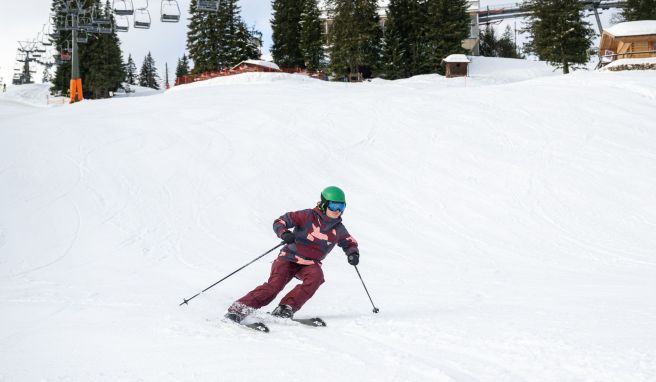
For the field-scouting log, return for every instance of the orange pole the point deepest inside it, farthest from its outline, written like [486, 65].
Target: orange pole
[76, 90]
[79, 89]
[72, 90]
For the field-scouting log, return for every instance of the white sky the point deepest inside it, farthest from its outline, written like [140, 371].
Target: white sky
[24, 19]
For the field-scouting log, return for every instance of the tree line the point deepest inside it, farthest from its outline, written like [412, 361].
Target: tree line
[415, 37]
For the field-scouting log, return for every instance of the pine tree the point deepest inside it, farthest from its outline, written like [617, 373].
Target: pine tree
[148, 76]
[311, 40]
[103, 71]
[219, 40]
[558, 34]
[130, 71]
[489, 44]
[236, 42]
[506, 46]
[400, 39]
[182, 69]
[635, 10]
[202, 39]
[247, 44]
[286, 33]
[448, 25]
[355, 38]
[47, 77]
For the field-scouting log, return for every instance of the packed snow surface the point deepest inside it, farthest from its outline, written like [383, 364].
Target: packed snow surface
[631, 62]
[506, 226]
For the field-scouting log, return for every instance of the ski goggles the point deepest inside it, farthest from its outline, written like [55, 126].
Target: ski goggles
[337, 206]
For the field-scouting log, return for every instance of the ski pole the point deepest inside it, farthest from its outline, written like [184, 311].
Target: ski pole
[365, 289]
[186, 300]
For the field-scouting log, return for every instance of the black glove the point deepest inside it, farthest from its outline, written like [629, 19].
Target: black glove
[354, 258]
[287, 237]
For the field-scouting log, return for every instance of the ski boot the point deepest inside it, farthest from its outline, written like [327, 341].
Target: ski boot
[283, 311]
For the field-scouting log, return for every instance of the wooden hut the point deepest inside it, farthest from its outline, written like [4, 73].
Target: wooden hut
[255, 66]
[457, 65]
[631, 39]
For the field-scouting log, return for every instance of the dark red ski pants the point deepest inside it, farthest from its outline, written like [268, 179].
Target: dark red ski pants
[282, 272]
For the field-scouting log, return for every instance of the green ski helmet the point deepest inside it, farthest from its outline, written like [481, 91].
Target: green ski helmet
[331, 194]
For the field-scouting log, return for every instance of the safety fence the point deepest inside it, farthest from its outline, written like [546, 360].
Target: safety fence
[191, 78]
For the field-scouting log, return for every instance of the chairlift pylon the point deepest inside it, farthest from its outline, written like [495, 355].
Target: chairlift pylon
[208, 5]
[123, 7]
[170, 11]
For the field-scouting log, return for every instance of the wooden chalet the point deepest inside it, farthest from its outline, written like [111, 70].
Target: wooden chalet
[628, 40]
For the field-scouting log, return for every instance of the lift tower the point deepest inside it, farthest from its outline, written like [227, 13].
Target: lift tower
[26, 54]
[74, 17]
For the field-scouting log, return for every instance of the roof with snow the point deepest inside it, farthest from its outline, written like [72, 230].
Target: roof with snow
[265, 64]
[633, 28]
[457, 58]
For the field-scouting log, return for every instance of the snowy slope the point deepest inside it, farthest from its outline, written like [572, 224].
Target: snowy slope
[35, 95]
[505, 225]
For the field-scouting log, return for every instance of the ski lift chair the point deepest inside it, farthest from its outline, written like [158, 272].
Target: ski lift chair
[170, 11]
[45, 32]
[122, 24]
[208, 5]
[142, 18]
[99, 20]
[83, 37]
[123, 7]
[104, 29]
[92, 28]
[71, 6]
[66, 52]
[64, 24]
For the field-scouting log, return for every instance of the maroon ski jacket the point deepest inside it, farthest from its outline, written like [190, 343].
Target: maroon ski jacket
[316, 235]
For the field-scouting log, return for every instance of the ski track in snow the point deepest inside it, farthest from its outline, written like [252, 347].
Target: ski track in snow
[64, 253]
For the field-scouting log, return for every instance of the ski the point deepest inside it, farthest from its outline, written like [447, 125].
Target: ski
[314, 321]
[259, 326]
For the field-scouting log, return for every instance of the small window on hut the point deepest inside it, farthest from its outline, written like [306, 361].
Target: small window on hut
[653, 46]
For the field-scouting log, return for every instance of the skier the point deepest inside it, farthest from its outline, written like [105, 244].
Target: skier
[315, 233]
